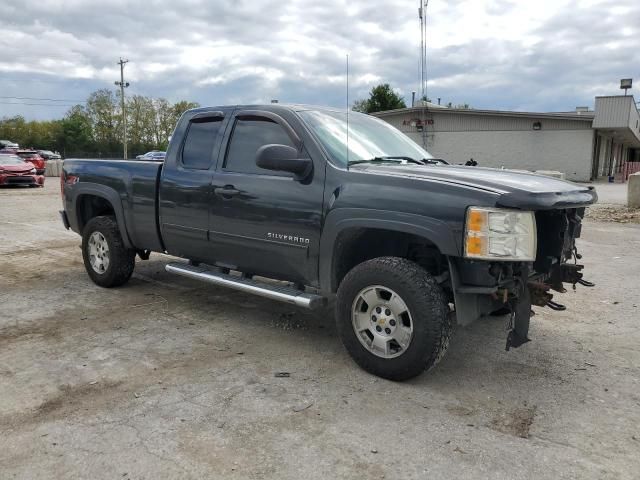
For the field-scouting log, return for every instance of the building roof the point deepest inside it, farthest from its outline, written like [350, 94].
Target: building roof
[585, 116]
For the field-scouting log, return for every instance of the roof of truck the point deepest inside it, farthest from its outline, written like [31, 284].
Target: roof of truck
[296, 107]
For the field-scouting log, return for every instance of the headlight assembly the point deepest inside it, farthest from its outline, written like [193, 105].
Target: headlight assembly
[500, 234]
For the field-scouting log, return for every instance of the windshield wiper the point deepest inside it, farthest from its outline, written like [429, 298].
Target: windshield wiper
[434, 161]
[386, 158]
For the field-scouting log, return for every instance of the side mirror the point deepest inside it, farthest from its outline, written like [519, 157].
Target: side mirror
[284, 159]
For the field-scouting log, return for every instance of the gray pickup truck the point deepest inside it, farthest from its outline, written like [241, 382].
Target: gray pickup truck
[335, 206]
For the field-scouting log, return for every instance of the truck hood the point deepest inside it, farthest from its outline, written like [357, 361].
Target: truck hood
[514, 189]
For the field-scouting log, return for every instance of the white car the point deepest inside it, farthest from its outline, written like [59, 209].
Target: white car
[154, 155]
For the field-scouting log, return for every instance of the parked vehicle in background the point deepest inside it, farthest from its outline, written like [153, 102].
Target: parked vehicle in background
[8, 144]
[154, 155]
[34, 157]
[138, 157]
[15, 171]
[343, 207]
[49, 155]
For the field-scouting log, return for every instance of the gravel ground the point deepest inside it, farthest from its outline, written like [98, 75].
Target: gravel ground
[612, 205]
[169, 378]
[614, 213]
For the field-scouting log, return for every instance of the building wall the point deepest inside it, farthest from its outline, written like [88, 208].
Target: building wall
[617, 112]
[451, 121]
[562, 144]
[568, 151]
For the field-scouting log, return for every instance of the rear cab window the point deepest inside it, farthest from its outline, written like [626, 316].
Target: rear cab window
[197, 152]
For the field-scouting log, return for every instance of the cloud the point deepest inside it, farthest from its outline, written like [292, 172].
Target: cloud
[544, 55]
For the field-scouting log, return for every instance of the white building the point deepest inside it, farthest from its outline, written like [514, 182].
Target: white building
[584, 144]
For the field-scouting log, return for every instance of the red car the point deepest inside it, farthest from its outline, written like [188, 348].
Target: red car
[33, 157]
[15, 171]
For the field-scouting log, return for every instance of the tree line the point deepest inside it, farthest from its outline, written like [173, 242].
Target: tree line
[382, 97]
[95, 128]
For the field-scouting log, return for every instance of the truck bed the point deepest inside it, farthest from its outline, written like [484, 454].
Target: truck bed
[135, 183]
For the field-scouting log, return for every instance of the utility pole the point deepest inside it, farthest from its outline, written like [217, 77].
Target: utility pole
[422, 14]
[122, 84]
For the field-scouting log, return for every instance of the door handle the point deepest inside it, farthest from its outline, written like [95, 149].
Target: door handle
[226, 192]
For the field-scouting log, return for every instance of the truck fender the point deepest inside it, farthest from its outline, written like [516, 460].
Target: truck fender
[436, 231]
[111, 196]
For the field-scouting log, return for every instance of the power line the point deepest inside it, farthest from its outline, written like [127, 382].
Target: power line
[40, 104]
[47, 99]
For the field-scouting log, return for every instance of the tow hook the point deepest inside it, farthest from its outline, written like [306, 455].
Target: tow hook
[569, 274]
[555, 306]
[541, 297]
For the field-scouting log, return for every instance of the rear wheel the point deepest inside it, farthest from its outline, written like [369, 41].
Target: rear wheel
[393, 318]
[107, 261]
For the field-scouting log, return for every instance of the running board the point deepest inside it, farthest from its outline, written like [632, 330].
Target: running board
[274, 292]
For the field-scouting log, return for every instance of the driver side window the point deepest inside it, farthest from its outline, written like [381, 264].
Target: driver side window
[247, 137]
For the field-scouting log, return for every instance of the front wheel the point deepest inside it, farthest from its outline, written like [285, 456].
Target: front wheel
[393, 318]
[107, 261]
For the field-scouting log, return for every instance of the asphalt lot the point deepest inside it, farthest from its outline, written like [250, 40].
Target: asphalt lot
[170, 378]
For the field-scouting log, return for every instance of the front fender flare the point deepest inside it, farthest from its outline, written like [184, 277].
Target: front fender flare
[436, 231]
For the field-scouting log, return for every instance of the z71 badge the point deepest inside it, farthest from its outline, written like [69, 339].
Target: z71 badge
[288, 238]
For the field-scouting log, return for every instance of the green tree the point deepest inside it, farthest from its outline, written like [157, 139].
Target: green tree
[140, 121]
[76, 132]
[182, 106]
[163, 125]
[381, 98]
[360, 106]
[13, 129]
[96, 129]
[103, 110]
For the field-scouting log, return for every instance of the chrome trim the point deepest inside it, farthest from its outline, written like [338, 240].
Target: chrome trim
[274, 292]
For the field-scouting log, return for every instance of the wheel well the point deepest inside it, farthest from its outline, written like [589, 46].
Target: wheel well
[356, 245]
[89, 206]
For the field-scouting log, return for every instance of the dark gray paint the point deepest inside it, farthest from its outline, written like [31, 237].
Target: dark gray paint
[196, 223]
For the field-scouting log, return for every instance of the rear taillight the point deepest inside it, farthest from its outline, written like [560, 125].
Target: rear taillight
[62, 175]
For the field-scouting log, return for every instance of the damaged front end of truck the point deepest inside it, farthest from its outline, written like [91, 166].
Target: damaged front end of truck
[516, 258]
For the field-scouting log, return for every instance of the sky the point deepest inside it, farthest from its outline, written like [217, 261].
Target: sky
[514, 55]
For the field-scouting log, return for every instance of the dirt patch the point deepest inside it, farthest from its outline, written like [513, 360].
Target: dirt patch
[49, 330]
[613, 213]
[460, 410]
[70, 396]
[25, 267]
[67, 400]
[289, 321]
[516, 422]
[38, 250]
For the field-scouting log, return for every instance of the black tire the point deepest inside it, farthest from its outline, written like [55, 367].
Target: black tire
[427, 304]
[122, 260]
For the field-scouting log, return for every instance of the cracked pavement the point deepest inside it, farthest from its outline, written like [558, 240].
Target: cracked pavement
[169, 378]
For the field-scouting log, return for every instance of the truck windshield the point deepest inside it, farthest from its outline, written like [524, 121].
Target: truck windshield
[369, 138]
